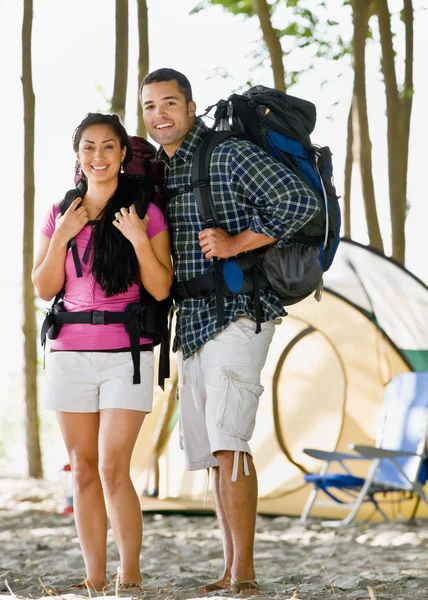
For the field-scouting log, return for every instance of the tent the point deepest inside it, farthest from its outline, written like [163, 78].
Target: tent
[323, 383]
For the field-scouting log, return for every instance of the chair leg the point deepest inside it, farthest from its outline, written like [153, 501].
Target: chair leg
[356, 507]
[309, 503]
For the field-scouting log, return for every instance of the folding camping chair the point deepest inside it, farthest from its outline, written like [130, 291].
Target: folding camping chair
[398, 461]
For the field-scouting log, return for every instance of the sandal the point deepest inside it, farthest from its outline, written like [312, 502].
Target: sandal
[85, 585]
[246, 588]
[125, 587]
[212, 587]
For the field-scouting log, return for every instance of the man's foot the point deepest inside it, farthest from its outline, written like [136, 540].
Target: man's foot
[246, 588]
[222, 584]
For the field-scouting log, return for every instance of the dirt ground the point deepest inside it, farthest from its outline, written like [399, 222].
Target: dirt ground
[40, 555]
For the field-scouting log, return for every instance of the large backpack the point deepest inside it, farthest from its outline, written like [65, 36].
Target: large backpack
[148, 317]
[281, 125]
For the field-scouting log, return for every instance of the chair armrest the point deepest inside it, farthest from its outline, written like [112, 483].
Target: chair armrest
[331, 456]
[372, 452]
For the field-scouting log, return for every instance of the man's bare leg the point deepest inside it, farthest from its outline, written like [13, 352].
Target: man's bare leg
[239, 506]
[226, 537]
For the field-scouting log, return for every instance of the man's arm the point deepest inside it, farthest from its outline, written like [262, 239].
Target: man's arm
[218, 243]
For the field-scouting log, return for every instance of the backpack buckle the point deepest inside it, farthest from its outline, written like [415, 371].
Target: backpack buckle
[98, 317]
[201, 183]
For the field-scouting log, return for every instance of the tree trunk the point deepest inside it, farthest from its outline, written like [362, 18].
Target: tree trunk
[143, 59]
[118, 101]
[262, 10]
[398, 118]
[361, 14]
[349, 162]
[35, 468]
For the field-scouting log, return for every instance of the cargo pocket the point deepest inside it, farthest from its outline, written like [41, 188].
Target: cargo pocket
[238, 406]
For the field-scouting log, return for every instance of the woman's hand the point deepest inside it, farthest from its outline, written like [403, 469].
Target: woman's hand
[68, 225]
[131, 226]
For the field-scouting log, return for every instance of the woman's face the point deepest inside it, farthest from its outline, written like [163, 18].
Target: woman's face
[100, 154]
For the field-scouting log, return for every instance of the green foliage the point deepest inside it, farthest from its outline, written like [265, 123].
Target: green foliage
[308, 27]
[236, 7]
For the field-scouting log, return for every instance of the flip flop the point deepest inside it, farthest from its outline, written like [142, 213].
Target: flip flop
[246, 588]
[210, 587]
[85, 585]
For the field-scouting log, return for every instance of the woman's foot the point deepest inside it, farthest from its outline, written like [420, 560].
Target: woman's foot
[90, 585]
[221, 584]
[126, 580]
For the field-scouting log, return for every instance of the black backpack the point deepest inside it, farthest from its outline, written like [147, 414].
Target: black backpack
[147, 318]
[281, 125]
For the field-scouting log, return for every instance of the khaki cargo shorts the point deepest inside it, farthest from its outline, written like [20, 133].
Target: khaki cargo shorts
[219, 390]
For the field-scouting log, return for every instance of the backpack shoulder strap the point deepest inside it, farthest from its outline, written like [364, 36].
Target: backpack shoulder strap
[200, 175]
[142, 197]
[70, 196]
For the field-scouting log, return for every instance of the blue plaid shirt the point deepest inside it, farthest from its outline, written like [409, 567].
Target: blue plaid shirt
[252, 191]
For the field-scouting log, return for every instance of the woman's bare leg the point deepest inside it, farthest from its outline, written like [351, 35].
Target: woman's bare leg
[80, 433]
[119, 429]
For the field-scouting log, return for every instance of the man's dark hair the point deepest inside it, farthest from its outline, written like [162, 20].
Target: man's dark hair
[165, 74]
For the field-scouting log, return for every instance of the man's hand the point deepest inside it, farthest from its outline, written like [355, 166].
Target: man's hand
[216, 243]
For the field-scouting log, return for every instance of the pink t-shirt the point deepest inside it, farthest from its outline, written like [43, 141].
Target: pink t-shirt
[84, 293]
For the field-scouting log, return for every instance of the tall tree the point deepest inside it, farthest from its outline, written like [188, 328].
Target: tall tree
[143, 59]
[362, 11]
[271, 38]
[35, 468]
[118, 101]
[399, 109]
[352, 138]
[262, 9]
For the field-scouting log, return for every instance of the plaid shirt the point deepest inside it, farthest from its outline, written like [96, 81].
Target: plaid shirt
[251, 191]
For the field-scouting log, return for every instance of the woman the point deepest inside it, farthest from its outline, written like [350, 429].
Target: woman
[89, 375]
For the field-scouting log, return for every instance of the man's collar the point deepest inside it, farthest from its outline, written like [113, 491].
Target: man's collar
[188, 146]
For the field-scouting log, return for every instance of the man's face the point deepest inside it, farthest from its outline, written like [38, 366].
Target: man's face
[167, 115]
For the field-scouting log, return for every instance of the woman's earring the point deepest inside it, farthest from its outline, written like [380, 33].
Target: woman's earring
[121, 167]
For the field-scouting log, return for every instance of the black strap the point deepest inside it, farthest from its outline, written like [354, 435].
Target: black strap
[200, 175]
[133, 329]
[96, 317]
[173, 192]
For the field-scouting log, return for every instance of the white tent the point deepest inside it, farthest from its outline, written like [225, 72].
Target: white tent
[324, 380]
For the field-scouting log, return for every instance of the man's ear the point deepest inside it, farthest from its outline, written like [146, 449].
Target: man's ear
[191, 108]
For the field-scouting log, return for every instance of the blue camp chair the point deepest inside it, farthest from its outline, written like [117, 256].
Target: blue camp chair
[398, 462]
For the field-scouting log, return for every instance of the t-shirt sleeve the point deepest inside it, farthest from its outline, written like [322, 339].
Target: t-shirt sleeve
[48, 224]
[157, 221]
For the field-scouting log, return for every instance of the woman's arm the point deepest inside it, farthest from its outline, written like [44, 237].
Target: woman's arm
[154, 260]
[154, 256]
[48, 274]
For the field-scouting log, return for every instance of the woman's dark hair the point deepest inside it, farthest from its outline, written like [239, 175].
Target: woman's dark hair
[113, 121]
[114, 262]
[161, 75]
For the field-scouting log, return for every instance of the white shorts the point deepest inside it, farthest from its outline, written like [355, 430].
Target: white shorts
[219, 390]
[87, 382]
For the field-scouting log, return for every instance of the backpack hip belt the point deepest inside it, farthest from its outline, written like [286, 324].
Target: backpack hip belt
[137, 321]
[216, 282]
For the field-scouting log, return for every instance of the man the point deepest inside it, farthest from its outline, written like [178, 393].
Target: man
[259, 202]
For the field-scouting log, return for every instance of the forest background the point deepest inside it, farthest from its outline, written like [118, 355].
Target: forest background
[86, 55]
